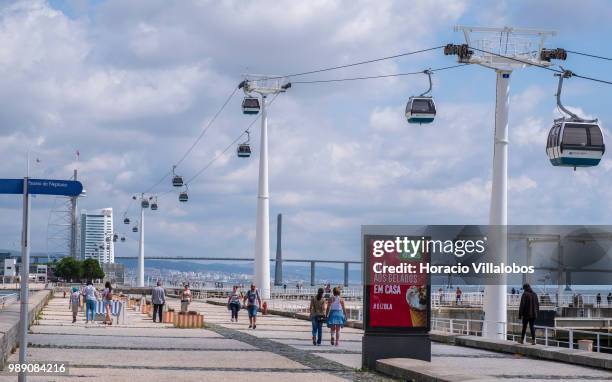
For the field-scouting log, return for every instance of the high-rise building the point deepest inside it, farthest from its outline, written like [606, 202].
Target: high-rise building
[97, 235]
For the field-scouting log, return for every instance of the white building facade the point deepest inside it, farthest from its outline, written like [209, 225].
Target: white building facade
[97, 235]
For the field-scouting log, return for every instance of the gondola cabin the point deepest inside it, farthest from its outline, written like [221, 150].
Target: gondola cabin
[154, 206]
[134, 229]
[250, 105]
[575, 144]
[420, 110]
[177, 181]
[144, 203]
[244, 150]
[183, 197]
[126, 221]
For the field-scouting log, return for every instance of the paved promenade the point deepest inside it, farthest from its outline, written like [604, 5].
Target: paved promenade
[280, 349]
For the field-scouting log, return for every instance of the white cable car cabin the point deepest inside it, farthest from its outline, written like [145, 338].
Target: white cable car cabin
[244, 149]
[421, 109]
[183, 197]
[250, 105]
[177, 180]
[575, 143]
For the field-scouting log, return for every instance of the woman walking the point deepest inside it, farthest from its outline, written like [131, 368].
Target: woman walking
[317, 316]
[185, 299]
[336, 315]
[107, 298]
[233, 303]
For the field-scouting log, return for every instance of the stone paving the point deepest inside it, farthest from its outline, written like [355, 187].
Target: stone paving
[280, 349]
[446, 359]
[141, 350]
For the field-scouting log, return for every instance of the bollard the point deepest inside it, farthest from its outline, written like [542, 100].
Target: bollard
[264, 308]
[586, 345]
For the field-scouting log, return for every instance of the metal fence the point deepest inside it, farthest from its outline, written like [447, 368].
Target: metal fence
[545, 335]
[475, 299]
[7, 299]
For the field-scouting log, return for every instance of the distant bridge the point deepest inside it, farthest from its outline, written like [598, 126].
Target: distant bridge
[277, 282]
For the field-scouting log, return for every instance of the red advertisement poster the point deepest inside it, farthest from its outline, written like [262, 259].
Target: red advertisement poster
[398, 293]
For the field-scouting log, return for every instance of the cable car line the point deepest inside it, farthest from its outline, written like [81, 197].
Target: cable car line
[357, 63]
[375, 77]
[207, 127]
[589, 55]
[544, 67]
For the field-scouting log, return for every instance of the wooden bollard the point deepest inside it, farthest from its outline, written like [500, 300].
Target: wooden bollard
[168, 317]
[199, 321]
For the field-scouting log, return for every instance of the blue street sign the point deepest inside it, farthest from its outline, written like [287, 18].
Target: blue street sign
[42, 187]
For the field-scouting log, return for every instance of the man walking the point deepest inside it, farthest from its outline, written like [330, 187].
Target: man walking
[158, 296]
[528, 312]
[253, 302]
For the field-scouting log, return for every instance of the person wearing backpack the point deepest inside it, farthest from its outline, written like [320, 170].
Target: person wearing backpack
[253, 302]
[75, 302]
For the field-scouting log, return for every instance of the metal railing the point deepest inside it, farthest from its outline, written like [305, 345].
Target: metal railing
[7, 299]
[545, 335]
[475, 299]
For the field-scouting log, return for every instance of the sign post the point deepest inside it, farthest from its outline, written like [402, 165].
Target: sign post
[397, 307]
[25, 279]
[27, 187]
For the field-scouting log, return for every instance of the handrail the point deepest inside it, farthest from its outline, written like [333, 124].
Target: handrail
[468, 326]
[8, 298]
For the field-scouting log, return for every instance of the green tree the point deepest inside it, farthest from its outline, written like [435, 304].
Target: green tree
[92, 269]
[69, 269]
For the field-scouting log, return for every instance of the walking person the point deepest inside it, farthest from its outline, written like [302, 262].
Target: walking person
[609, 298]
[317, 316]
[598, 300]
[458, 294]
[158, 298]
[233, 303]
[336, 315]
[89, 293]
[75, 302]
[253, 302]
[185, 299]
[107, 298]
[528, 312]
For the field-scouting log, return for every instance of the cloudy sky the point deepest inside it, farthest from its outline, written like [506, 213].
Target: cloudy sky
[131, 84]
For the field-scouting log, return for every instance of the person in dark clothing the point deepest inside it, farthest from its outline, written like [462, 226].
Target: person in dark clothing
[528, 312]
[599, 300]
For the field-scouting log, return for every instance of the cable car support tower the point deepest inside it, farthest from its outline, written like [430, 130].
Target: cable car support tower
[263, 86]
[503, 50]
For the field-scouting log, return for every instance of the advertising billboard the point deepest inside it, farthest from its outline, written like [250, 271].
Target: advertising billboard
[396, 293]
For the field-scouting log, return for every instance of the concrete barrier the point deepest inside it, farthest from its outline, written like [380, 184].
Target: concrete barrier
[572, 356]
[9, 322]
